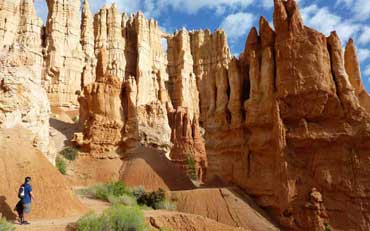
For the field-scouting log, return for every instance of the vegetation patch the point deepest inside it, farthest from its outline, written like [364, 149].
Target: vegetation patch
[118, 193]
[70, 153]
[5, 225]
[61, 165]
[118, 218]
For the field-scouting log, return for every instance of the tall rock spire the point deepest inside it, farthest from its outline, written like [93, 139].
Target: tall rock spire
[87, 42]
[64, 56]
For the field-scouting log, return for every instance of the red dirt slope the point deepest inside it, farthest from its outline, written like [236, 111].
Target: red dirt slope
[150, 168]
[227, 206]
[185, 222]
[54, 197]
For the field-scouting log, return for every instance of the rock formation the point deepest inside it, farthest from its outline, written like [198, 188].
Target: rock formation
[88, 43]
[288, 128]
[23, 101]
[288, 121]
[64, 61]
[101, 111]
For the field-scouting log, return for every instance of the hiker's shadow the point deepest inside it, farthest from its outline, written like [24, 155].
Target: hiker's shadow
[6, 210]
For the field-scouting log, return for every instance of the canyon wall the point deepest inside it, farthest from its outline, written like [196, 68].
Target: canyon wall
[287, 121]
[23, 101]
[64, 58]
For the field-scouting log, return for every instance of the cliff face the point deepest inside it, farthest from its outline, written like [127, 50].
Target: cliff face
[64, 59]
[288, 121]
[23, 101]
[305, 127]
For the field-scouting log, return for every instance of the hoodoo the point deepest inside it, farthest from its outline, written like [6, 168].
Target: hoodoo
[287, 121]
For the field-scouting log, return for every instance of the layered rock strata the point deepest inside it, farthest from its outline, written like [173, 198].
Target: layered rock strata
[64, 57]
[23, 101]
[287, 121]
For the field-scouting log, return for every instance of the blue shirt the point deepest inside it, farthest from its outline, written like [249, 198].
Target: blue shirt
[27, 194]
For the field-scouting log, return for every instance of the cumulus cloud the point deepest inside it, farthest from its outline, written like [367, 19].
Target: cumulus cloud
[365, 35]
[193, 6]
[367, 70]
[361, 9]
[237, 25]
[325, 21]
[363, 54]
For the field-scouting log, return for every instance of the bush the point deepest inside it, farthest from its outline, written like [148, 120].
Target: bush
[118, 218]
[151, 199]
[125, 199]
[190, 167]
[105, 191]
[5, 225]
[137, 192]
[69, 153]
[61, 165]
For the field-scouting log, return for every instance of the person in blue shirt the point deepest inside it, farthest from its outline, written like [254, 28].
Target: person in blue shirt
[24, 205]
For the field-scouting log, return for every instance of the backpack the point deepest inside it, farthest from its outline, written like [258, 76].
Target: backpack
[21, 192]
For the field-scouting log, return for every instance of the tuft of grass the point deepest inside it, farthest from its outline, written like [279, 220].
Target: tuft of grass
[61, 165]
[5, 225]
[70, 153]
[118, 218]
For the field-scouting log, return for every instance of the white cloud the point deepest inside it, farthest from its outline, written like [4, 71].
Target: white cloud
[361, 10]
[367, 70]
[237, 25]
[363, 54]
[365, 35]
[320, 18]
[324, 21]
[193, 6]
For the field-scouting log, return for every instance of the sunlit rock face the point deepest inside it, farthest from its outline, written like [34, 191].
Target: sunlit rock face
[64, 58]
[287, 121]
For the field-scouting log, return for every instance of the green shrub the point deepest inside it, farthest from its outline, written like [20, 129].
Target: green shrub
[152, 199]
[5, 225]
[137, 192]
[105, 191]
[190, 167]
[124, 199]
[90, 222]
[70, 153]
[61, 165]
[117, 218]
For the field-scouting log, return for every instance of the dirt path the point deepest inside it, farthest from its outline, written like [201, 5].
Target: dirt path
[61, 224]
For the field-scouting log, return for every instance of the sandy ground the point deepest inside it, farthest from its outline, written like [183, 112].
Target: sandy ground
[61, 224]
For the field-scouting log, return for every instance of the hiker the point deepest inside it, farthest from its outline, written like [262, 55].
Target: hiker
[24, 205]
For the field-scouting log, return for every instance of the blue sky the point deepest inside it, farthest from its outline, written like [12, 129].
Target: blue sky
[350, 18]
